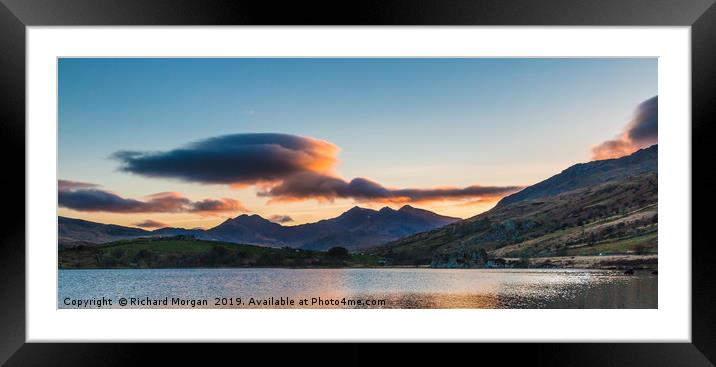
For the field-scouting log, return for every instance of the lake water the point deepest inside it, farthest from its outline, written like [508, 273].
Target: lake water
[360, 288]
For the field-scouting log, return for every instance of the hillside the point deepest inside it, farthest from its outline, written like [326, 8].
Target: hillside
[356, 229]
[589, 174]
[78, 230]
[590, 209]
[185, 252]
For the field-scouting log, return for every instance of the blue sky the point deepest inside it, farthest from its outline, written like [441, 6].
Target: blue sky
[401, 122]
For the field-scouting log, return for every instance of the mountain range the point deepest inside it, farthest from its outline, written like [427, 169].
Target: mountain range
[600, 207]
[357, 228]
[595, 208]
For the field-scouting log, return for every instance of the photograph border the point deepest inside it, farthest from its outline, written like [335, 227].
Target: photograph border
[16, 15]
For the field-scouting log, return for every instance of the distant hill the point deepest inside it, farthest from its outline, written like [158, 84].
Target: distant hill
[355, 229]
[78, 230]
[252, 229]
[360, 228]
[601, 207]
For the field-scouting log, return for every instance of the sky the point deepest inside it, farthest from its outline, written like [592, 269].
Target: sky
[192, 142]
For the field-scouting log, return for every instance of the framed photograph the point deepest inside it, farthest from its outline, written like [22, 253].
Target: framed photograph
[453, 172]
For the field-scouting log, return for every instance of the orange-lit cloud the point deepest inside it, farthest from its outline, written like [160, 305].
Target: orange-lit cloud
[283, 168]
[481, 201]
[67, 185]
[616, 148]
[237, 160]
[641, 132]
[91, 199]
[213, 206]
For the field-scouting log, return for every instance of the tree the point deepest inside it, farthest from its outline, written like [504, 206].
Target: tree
[219, 251]
[482, 254]
[143, 254]
[216, 255]
[340, 253]
[117, 253]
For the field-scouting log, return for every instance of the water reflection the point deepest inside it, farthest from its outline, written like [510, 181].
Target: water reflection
[397, 288]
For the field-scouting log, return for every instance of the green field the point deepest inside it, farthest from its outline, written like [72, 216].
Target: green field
[181, 252]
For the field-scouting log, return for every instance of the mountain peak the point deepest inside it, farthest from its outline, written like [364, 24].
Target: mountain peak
[247, 218]
[356, 228]
[406, 207]
[357, 209]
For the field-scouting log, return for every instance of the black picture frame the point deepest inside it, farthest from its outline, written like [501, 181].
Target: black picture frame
[16, 15]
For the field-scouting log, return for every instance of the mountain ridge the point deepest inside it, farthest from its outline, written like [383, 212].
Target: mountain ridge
[588, 174]
[354, 229]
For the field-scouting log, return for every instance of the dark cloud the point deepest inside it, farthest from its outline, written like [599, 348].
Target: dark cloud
[151, 224]
[234, 159]
[96, 200]
[284, 167]
[644, 129]
[93, 200]
[309, 185]
[641, 132]
[280, 218]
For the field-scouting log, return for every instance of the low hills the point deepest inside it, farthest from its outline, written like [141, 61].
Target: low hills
[356, 229]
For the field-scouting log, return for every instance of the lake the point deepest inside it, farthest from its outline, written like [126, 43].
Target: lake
[357, 288]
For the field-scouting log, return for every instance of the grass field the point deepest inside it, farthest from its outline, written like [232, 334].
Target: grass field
[643, 244]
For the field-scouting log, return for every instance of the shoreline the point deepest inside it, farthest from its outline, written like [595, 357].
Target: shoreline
[605, 262]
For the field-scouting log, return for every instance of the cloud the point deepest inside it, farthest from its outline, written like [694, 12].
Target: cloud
[309, 185]
[148, 223]
[613, 149]
[217, 205]
[283, 168]
[234, 159]
[280, 218]
[642, 131]
[96, 200]
[66, 185]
